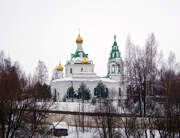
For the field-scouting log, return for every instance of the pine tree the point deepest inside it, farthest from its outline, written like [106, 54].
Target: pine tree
[101, 91]
[84, 93]
[70, 92]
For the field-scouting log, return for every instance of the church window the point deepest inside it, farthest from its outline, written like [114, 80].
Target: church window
[81, 55]
[70, 70]
[119, 91]
[112, 55]
[55, 95]
[107, 92]
[54, 92]
[113, 68]
[118, 68]
[95, 93]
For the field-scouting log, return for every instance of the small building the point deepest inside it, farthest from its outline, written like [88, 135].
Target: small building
[60, 129]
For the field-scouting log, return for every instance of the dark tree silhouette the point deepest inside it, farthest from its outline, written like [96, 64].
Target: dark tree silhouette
[19, 116]
[101, 91]
[84, 92]
[70, 92]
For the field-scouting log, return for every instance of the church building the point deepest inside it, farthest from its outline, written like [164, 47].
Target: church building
[81, 69]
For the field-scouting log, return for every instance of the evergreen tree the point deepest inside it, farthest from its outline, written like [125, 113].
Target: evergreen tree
[70, 92]
[84, 92]
[101, 91]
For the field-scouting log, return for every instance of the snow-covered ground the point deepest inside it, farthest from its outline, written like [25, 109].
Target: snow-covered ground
[93, 133]
[72, 133]
[77, 107]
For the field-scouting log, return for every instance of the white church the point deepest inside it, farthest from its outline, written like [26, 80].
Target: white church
[81, 69]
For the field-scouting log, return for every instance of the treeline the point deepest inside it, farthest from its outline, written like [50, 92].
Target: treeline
[150, 77]
[19, 92]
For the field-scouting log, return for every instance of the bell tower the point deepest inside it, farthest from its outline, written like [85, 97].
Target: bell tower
[115, 63]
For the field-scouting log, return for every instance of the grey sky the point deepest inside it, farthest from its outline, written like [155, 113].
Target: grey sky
[32, 30]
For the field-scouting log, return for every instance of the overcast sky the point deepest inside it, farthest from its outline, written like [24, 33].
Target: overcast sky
[32, 30]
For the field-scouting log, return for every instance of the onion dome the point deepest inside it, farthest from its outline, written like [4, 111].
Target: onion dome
[59, 68]
[85, 61]
[79, 39]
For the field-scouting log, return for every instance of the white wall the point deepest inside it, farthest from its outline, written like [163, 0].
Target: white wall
[62, 86]
[76, 68]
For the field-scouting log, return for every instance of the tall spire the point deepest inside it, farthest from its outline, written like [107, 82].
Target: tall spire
[114, 37]
[115, 43]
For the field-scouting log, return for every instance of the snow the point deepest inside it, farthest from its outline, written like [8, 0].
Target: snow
[87, 134]
[87, 78]
[73, 106]
[60, 125]
[93, 133]
[78, 106]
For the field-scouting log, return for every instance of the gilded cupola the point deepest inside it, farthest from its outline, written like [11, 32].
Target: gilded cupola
[79, 39]
[85, 61]
[60, 68]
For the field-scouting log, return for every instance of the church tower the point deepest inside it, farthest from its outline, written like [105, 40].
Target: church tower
[115, 63]
[79, 63]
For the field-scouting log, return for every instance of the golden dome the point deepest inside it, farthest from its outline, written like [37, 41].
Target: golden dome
[79, 39]
[59, 68]
[85, 61]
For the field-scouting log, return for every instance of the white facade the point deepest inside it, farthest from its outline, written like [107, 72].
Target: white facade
[81, 69]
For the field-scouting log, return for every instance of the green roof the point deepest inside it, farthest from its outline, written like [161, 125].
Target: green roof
[115, 51]
[77, 54]
[115, 43]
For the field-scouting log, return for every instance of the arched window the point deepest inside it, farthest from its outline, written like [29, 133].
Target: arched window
[55, 95]
[81, 69]
[107, 92]
[113, 68]
[95, 93]
[81, 54]
[70, 70]
[119, 91]
[112, 55]
[54, 92]
[118, 68]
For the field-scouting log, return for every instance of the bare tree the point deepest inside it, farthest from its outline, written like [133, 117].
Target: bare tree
[106, 123]
[41, 72]
[141, 63]
[20, 114]
[169, 82]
